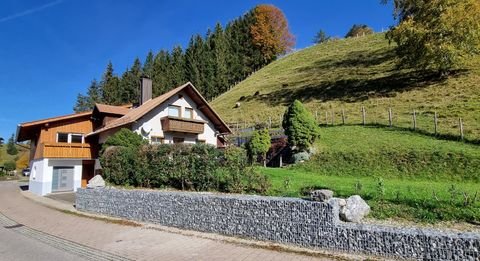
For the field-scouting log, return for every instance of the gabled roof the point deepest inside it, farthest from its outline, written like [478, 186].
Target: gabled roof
[135, 114]
[110, 109]
[23, 129]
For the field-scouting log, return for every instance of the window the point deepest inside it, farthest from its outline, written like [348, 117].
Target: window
[76, 138]
[188, 113]
[156, 140]
[62, 137]
[174, 111]
[178, 140]
[69, 138]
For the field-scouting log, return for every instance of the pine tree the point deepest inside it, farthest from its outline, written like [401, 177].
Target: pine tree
[11, 149]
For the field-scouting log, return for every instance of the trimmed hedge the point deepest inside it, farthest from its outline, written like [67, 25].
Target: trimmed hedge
[198, 167]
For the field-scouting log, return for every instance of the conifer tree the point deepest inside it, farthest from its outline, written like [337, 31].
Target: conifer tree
[193, 55]
[177, 68]
[130, 83]
[11, 149]
[160, 73]
[148, 65]
[109, 86]
[87, 102]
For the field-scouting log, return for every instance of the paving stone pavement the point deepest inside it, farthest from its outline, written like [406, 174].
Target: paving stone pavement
[112, 240]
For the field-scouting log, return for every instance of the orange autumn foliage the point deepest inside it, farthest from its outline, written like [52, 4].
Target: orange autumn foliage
[270, 31]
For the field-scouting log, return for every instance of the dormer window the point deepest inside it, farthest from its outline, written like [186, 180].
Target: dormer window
[174, 111]
[69, 138]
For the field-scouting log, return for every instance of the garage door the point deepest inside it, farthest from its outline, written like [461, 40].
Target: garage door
[62, 179]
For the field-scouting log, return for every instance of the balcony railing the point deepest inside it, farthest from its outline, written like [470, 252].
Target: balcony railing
[64, 150]
[175, 124]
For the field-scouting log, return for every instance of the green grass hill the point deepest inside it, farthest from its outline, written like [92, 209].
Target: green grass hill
[344, 75]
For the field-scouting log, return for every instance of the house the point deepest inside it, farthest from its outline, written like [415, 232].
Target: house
[64, 149]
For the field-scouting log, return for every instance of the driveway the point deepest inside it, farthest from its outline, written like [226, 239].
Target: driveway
[81, 237]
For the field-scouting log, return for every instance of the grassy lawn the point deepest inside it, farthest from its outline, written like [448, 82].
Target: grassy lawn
[417, 200]
[348, 74]
[424, 179]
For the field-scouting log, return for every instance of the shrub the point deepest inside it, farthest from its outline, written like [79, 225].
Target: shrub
[125, 138]
[301, 157]
[199, 167]
[300, 126]
[10, 166]
[119, 165]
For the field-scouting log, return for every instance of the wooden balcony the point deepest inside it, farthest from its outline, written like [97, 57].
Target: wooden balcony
[64, 150]
[175, 124]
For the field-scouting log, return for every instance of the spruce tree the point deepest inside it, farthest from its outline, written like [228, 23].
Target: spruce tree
[193, 54]
[130, 83]
[300, 126]
[177, 68]
[148, 65]
[87, 102]
[219, 48]
[109, 86]
[11, 149]
[160, 73]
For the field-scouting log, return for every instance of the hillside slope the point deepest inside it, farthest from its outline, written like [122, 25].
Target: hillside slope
[348, 74]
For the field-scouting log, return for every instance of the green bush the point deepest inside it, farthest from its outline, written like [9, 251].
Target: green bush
[10, 166]
[198, 167]
[125, 138]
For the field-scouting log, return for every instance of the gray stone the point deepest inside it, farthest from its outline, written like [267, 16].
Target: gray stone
[354, 210]
[322, 195]
[96, 182]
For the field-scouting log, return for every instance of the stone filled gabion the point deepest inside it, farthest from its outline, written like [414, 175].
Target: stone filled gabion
[283, 220]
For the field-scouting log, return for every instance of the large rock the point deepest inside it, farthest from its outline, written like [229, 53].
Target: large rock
[96, 182]
[322, 195]
[355, 209]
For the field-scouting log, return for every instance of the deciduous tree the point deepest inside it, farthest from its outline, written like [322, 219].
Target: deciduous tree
[259, 144]
[437, 34]
[270, 32]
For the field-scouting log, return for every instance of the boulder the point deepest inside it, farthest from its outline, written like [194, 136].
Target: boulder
[96, 182]
[354, 210]
[322, 195]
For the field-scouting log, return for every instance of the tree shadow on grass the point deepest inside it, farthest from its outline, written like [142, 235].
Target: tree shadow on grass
[353, 90]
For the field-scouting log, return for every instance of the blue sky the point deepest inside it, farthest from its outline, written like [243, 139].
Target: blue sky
[51, 50]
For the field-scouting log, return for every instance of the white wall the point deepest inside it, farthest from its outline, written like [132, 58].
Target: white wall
[150, 125]
[41, 174]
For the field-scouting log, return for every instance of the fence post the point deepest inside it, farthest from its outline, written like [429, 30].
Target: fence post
[435, 123]
[363, 115]
[316, 116]
[269, 122]
[326, 118]
[390, 122]
[460, 122]
[343, 116]
[414, 120]
[333, 117]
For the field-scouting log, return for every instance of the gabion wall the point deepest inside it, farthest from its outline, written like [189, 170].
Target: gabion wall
[283, 220]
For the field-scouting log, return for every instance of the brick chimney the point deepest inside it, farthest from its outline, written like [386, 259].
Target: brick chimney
[145, 90]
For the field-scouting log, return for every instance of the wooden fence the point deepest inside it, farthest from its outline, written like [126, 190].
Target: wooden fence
[426, 121]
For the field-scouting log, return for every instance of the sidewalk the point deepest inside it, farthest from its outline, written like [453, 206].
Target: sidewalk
[136, 241]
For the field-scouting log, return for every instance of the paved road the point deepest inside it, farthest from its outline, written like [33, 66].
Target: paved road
[75, 236]
[16, 247]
